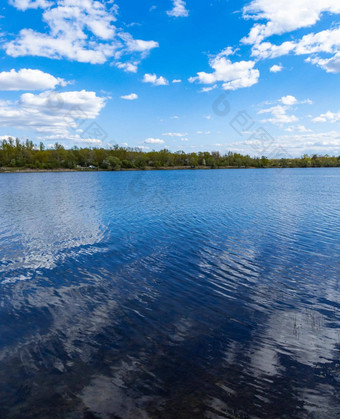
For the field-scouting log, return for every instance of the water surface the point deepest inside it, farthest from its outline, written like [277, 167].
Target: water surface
[170, 294]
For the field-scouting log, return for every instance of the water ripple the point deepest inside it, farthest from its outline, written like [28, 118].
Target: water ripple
[170, 294]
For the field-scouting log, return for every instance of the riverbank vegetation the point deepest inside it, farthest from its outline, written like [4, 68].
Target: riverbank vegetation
[25, 155]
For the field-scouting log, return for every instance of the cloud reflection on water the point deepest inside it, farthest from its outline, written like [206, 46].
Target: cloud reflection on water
[214, 306]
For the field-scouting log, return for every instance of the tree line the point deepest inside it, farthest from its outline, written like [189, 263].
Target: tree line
[26, 155]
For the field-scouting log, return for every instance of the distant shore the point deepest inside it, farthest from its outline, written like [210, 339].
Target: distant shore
[26, 157]
[146, 169]
[87, 170]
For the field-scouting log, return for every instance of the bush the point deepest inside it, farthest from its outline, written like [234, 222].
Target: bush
[114, 163]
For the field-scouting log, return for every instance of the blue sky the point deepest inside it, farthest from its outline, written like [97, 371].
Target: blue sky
[257, 77]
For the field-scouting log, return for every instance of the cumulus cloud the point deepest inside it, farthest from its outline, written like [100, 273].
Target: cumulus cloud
[28, 79]
[154, 141]
[138, 45]
[331, 65]
[279, 115]
[328, 117]
[232, 75]
[83, 31]
[131, 67]
[131, 96]
[156, 81]
[30, 4]
[179, 9]
[279, 112]
[33, 43]
[267, 50]
[61, 114]
[284, 16]
[327, 41]
[276, 68]
[288, 100]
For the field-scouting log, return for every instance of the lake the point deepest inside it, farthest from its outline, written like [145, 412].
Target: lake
[170, 294]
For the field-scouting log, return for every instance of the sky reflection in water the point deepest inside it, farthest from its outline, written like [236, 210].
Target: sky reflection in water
[170, 294]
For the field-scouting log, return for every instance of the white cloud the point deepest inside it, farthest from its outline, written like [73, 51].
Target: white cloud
[177, 81]
[233, 75]
[138, 45]
[128, 67]
[327, 41]
[267, 50]
[298, 128]
[278, 112]
[288, 100]
[279, 115]
[328, 117]
[156, 81]
[74, 138]
[52, 113]
[33, 43]
[284, 16]
[90, 141]
[276, 68]
[80, 30]
[28, 79]
[154, 141]
[174, 134]
[6, 137]
[295, 145]
[131, 96]
[320, 143]
[179, 9]
[208, 89]
[331, 65]
[30, 4]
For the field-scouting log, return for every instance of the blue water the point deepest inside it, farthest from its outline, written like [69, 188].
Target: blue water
[170, 294]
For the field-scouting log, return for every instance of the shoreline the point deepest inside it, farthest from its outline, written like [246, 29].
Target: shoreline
[7, 170]
[146, 169]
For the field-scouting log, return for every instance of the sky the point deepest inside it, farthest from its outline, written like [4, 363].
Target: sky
[259, 77]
